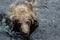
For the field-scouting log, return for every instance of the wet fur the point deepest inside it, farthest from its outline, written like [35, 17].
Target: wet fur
[22, 13]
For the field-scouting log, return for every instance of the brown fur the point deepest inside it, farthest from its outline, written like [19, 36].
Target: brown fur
[24, 14]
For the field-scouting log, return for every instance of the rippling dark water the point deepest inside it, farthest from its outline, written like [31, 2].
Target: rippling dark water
[48, 14]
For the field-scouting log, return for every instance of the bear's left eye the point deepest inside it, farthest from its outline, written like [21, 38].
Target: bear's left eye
[19, 23]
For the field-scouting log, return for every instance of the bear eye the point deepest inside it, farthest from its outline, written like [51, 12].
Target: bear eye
[28, 22]
[19, 23]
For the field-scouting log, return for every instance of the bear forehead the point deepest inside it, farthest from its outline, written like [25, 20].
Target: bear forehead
[22, 8]
[23, 17]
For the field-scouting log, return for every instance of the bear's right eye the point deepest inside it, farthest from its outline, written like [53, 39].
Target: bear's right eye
[27, 22]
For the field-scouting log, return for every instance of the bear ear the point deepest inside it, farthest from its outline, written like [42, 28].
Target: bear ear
[12, 7]
[29, 4]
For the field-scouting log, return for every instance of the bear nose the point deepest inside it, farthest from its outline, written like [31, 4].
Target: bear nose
[25, 34]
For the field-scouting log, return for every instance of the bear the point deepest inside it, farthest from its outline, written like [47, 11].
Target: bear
[23, 18]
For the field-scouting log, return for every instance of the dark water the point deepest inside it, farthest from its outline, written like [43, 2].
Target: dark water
[48, 14]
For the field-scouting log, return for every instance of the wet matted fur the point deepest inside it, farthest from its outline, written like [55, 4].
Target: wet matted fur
[23, 19]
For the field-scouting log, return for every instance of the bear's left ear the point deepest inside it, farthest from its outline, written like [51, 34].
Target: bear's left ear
[29, 4]
[12, 7]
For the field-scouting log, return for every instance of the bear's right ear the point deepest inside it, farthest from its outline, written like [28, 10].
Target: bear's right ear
[12, 7]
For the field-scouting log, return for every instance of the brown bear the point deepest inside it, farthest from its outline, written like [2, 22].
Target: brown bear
[23, 17]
